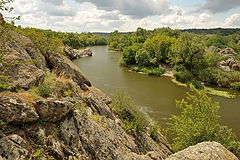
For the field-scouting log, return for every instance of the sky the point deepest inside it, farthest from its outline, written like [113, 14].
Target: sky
[125, 15]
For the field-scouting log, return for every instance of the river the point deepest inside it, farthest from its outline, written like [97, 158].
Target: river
[155, 95]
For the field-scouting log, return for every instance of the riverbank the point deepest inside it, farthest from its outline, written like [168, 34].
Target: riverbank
[166, 70]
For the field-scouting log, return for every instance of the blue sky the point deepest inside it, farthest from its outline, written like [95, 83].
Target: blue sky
[126, 15]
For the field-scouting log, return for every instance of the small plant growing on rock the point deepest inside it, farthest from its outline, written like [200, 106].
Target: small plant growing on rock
[126, 110]
[44, 91]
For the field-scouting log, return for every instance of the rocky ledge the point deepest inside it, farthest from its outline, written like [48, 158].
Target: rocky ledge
[74, 121]
[76, 53]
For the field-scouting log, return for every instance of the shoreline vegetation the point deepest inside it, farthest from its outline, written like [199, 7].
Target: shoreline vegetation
[202, 60]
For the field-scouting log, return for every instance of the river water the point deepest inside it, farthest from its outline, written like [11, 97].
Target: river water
[154, 95]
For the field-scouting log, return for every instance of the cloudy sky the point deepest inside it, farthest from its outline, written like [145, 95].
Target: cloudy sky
[126, 15]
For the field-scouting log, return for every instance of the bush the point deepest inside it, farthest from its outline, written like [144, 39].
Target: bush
[3, 83]
[199, 122]
[124, 107]
[235, 86]
[150, 71]
[129, 54]
[44, 91]
[183, 76]
[142, 57]
[197, 84]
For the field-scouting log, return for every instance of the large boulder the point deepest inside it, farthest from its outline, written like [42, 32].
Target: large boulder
[98, 102]
[14, 147]
[76, 53]
[98, 137]
[229, 62]
[204, 151]
[63, 66]
[23, 63]
[15, 110]
[53, 110]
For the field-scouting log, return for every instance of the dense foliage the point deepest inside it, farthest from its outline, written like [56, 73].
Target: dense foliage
[48, 40]
[194, 58]
[199, 121]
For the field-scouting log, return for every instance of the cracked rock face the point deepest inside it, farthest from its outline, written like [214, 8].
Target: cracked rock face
[14, 148]
[230, 63]
[23, 63]
[204, 151]
[63, 66]
[53, 110]
[76, 53]
[15, 110]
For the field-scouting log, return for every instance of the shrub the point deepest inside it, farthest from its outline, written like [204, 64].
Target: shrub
[235, 86]
[150, 71]
[183, 76]
[3, 83]
[44, 91]
[142, 57]
[129, 54]
[198, 122]
[197, 84]
[124, 107]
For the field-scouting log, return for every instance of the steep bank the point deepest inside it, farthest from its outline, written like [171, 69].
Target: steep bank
[73, 121]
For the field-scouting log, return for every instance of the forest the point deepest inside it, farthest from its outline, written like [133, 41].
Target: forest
[194, 58]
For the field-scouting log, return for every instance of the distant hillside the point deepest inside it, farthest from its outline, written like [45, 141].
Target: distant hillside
[221, 31]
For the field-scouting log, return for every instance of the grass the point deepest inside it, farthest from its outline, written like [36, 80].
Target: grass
[209, 90]
[216, 92]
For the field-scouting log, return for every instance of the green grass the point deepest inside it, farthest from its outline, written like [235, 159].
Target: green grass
[209, 90]
[216, 92]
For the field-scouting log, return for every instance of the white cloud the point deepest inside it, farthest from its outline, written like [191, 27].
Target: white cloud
[68, 15]
[134, 8]
[233, 20]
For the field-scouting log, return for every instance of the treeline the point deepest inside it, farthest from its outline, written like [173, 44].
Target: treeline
[74, 40]
[219, 31]
[186, 53]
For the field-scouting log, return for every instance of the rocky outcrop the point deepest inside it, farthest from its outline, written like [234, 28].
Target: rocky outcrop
[53, 110]
[204, 151]
[76, 53]
[229, 62]
[15, 110]
[75, 123]
[24, 65]
[14, 147]
[63, 66]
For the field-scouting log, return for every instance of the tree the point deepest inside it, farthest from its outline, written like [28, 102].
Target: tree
[217, 41]
[159, 46]
[188, 51]
[129, 54]
[143, 57]
[199, 121]
[3, 5]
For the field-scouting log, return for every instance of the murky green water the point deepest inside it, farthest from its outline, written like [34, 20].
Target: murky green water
[155, 95]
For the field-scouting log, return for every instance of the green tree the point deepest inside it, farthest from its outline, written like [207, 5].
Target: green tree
[143, 57]
[129, 54]
[188, 51]
[217, 41]
[199, 121]
[159, 46]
